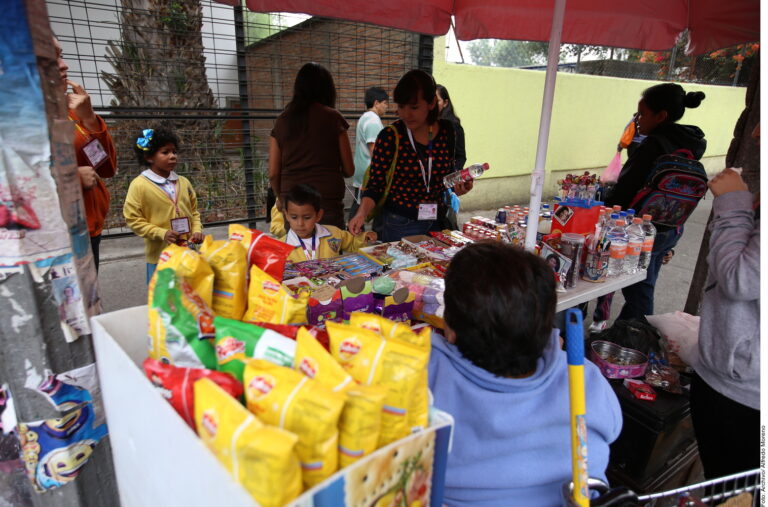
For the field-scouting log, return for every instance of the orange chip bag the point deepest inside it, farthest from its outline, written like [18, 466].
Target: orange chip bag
[227, 259]
[270, 302]
[360, 423]
[261, 458]
[290, 400]
[189, 265]
[372, 360]
[315, 362]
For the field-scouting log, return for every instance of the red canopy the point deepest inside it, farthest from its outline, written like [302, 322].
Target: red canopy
[639, 24]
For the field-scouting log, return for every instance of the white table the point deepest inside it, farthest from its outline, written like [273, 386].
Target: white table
[587, 291]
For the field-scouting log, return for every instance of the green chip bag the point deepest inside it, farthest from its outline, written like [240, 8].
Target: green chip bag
[180, 324]
[238, 341]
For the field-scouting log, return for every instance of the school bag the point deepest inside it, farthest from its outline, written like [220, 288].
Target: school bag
[672, 190]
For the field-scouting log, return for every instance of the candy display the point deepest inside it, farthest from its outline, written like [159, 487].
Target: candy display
[583, 186]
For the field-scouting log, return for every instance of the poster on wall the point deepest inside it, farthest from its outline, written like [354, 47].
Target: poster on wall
[31, 226]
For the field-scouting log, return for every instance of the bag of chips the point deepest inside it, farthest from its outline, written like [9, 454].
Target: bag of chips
[290, 400]
[236, 342]
[263, 251]
[180, 324]
[261, 458]
[175, 385]
[191, 266]
[227, 259]
[321, 335]
[269, 301]
[360, 422]
[317, 363]
[373, 360]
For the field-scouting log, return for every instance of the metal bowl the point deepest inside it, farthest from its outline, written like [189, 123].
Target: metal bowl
[616, 361]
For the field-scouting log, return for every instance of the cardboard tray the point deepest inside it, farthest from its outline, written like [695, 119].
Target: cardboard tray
[160, 461]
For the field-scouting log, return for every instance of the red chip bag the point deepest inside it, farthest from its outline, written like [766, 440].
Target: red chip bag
[267, 253]
[175, 385]
[321, 335]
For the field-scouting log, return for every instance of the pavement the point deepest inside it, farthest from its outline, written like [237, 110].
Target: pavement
[122, 272]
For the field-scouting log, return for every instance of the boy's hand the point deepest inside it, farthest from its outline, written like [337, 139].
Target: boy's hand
[172, 237]
[371, 236]
[197, 237]
[87, 176]
[728, 180]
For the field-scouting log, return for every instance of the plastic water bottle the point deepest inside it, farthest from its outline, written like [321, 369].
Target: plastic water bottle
[466, 174]
[617, 235]
[635, 239]
[650, 236]
[630, 216]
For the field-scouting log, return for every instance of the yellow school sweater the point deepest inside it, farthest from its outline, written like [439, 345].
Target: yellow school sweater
[330, 241]
[148, 211]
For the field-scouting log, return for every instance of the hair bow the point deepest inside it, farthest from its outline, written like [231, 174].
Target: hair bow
[146, 137]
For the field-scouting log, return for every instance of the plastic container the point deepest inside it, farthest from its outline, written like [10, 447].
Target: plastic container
[635, 239]
[617, 235]
[616, 361]
[650, 236]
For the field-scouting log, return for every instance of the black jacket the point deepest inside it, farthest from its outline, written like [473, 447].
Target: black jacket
[664, 139]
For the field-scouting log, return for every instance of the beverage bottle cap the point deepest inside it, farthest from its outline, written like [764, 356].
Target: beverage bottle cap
[637, 220]
[647, 217]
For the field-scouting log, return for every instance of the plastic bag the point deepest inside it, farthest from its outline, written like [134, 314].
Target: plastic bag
[261, 458]
[181, 326]
[289, 400]
[236, 342]
[191, 266]
[681, 331]
[269, 301]
[360, 422]
[315, 362]
[227, 259]
[263, 251]
[175, 385]
[612, 170]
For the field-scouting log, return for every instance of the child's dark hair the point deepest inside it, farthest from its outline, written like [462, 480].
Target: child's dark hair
[500, 301]
[147, 145]
[409, 86]
[374, 94]
[671, 97]
[303, 194]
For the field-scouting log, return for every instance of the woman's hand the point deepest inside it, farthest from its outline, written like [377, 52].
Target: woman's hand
[355, 225]
[463, 187]
[197, 237]
[728, 180]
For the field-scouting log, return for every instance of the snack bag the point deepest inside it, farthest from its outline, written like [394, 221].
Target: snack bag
[175, 385]
[360, 422]
[381, 325]
[269, 301]
[372, 360]
[286, 398]
[191, 266]
[321, 335]
[261, 458]
[324, 304]
[227, 259]
[236, 342]
[263, 251]
[356, 296]
[316, 363]
[180, 324]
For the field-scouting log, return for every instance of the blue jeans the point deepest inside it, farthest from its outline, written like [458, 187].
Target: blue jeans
[393, 227]
[150, 271]
[639, 297]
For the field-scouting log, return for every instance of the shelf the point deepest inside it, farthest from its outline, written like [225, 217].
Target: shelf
[587, 291]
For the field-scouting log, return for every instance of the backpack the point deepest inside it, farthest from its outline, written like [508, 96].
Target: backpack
[672, 190]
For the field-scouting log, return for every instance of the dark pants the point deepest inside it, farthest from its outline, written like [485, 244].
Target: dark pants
[728, 433]
[95, 242]
[393, 227]
[639, 297]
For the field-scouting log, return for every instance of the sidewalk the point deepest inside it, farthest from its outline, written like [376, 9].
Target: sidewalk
[122, 272]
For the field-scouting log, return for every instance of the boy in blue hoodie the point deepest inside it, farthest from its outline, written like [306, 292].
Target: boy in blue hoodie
[501, 373]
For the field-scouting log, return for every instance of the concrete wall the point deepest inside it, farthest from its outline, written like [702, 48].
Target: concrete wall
[500, 110]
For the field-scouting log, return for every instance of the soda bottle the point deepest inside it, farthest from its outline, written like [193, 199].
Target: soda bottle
[635, 238]
[617, 235]
[650, 236]
[466, 174]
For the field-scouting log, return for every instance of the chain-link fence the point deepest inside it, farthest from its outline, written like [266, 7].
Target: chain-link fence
[219, 76]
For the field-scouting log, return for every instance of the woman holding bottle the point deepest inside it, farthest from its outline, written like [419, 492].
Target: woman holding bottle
[422, 149]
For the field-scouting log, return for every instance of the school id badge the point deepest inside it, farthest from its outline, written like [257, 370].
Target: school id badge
[180, 225]
[428, 211]
[95, 153]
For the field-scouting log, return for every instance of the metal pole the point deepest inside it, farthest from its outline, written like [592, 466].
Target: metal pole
[539, 171]
[242, 84]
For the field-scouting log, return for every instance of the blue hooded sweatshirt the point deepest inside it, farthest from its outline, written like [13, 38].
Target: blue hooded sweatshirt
[512, 443]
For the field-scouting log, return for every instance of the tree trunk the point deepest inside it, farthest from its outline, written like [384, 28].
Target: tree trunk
[743, 152]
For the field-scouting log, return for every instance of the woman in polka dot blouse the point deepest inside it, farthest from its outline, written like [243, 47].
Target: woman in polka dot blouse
[425, 155]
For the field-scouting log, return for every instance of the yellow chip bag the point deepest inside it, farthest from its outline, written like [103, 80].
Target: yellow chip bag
[315, 362]
[372, 360]
[191, 266]
[290, 400]
[261, 458]
[360, 423]
[227, 259]
[271, 303]
[383, 326]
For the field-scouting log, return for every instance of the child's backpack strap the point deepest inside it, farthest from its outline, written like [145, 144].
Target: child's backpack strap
[389, 177]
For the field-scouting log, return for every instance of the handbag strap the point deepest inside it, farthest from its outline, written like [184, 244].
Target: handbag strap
[388, 179]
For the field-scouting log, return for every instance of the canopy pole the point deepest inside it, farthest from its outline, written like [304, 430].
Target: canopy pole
[537, 178]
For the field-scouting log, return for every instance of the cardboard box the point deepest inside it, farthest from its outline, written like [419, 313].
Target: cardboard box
[160, 461]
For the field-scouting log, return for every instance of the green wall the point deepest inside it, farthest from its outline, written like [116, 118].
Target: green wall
[500, 111]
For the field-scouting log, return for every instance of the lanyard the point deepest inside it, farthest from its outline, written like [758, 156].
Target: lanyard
[79, 128]
[309, 254]
[426, 176]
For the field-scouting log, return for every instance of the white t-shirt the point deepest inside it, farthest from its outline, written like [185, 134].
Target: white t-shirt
[368, 127]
